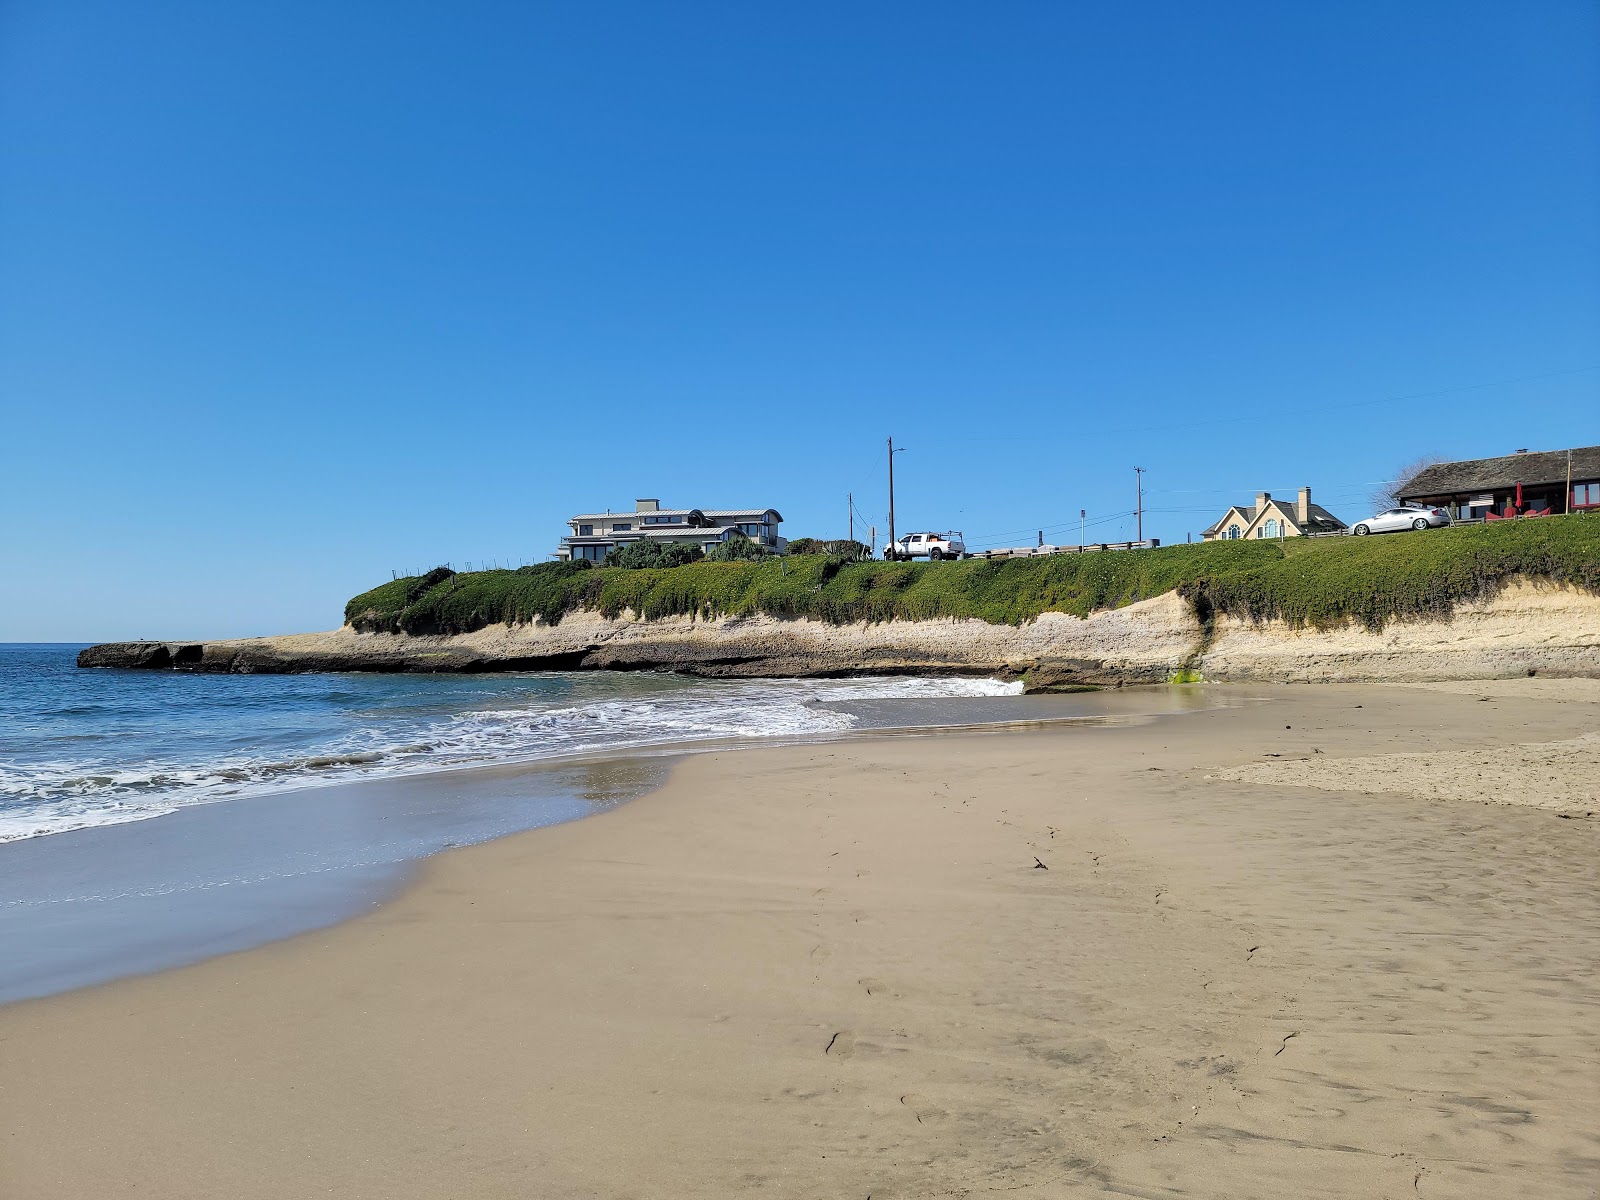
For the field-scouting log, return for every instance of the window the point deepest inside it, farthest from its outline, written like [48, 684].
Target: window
[1586, 495]
[585, 530]
[663, 521]
[1270, 529]
[750, 529]
[1233, 531]
[621, 527]
[592, 553]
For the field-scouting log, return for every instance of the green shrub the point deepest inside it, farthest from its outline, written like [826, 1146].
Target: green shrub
[374, 611]
[1318, 582]
[642, 555]
[846, 550]
[737, 548]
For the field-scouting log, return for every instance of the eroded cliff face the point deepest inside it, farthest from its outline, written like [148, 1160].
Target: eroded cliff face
[1525, 629]
[1142, 643]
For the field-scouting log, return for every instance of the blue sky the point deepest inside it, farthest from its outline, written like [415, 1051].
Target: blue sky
[294, 295]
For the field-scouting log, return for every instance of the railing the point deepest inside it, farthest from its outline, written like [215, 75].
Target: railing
[465, 568]
[1034, 551]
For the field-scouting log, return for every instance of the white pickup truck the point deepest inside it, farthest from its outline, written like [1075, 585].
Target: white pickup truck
[933, 546]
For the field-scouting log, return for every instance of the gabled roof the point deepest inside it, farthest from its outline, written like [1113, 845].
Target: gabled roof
[1246, 511]
[1486, 474]
[1320, 520]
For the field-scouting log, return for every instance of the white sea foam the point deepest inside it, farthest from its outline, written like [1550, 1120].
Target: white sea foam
[49, 796]
[914, 687]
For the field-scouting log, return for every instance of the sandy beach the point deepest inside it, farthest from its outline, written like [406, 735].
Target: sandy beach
[1339, 941]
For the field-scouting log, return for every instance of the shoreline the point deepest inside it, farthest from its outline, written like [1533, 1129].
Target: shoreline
[80, 907]
[90, 906]
[830, 968]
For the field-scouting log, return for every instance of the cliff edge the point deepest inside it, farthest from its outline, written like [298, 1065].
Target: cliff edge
[1525, 628]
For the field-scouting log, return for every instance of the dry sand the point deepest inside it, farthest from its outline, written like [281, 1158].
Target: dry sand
[1561, 776]
[837, 971]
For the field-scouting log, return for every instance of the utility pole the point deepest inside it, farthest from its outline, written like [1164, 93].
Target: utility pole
[889, 546]
[1041, 537]
[1566, 506]
[1082, 513]
[1138, 505]
[851, 500]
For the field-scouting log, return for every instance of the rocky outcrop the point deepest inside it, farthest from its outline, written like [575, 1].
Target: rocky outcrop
[1525, 629]
[1139, 644]
[150, 656]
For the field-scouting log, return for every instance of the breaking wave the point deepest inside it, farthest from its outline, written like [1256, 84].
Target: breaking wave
[264, 734]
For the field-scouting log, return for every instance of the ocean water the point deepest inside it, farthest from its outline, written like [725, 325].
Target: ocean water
[84, 748]
[153, 819]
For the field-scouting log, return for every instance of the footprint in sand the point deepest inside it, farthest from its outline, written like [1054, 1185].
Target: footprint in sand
[841, 1045]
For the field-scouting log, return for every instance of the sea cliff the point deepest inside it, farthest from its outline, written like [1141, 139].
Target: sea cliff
[1458, 603]
[1525, 628]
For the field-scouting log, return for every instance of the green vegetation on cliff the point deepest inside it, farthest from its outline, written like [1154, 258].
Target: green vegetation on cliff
[1306, 581]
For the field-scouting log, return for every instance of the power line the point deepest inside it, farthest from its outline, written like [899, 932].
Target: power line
[1061, 525]
[987, 540]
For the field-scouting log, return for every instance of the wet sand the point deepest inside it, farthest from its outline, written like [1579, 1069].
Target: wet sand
[1055, 962]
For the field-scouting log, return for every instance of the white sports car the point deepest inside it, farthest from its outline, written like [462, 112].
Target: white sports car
[1407, 516]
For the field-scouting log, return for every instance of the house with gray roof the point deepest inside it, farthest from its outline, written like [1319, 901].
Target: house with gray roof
[1269, 518]
[1528, 482]
[594, 535]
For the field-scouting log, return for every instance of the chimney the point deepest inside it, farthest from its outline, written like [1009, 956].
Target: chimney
[1261, 501]
[1302, 507]
[646, 505]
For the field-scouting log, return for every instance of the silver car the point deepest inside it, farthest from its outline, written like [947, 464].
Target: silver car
[1407, 516]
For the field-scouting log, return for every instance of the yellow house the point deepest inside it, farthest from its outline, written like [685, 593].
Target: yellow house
[1269, 518]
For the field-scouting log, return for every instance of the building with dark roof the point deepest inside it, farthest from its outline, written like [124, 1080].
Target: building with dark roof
[1269, 518]
[1521, 484]
[595, 535]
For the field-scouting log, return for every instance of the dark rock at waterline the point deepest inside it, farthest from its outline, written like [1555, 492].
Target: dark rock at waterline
[267, 657]
[145, 656]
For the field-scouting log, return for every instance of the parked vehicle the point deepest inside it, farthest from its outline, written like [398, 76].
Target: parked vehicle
[1407, 516]
[933, 546]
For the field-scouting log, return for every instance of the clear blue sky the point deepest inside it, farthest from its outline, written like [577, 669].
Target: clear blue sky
[295, 294]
